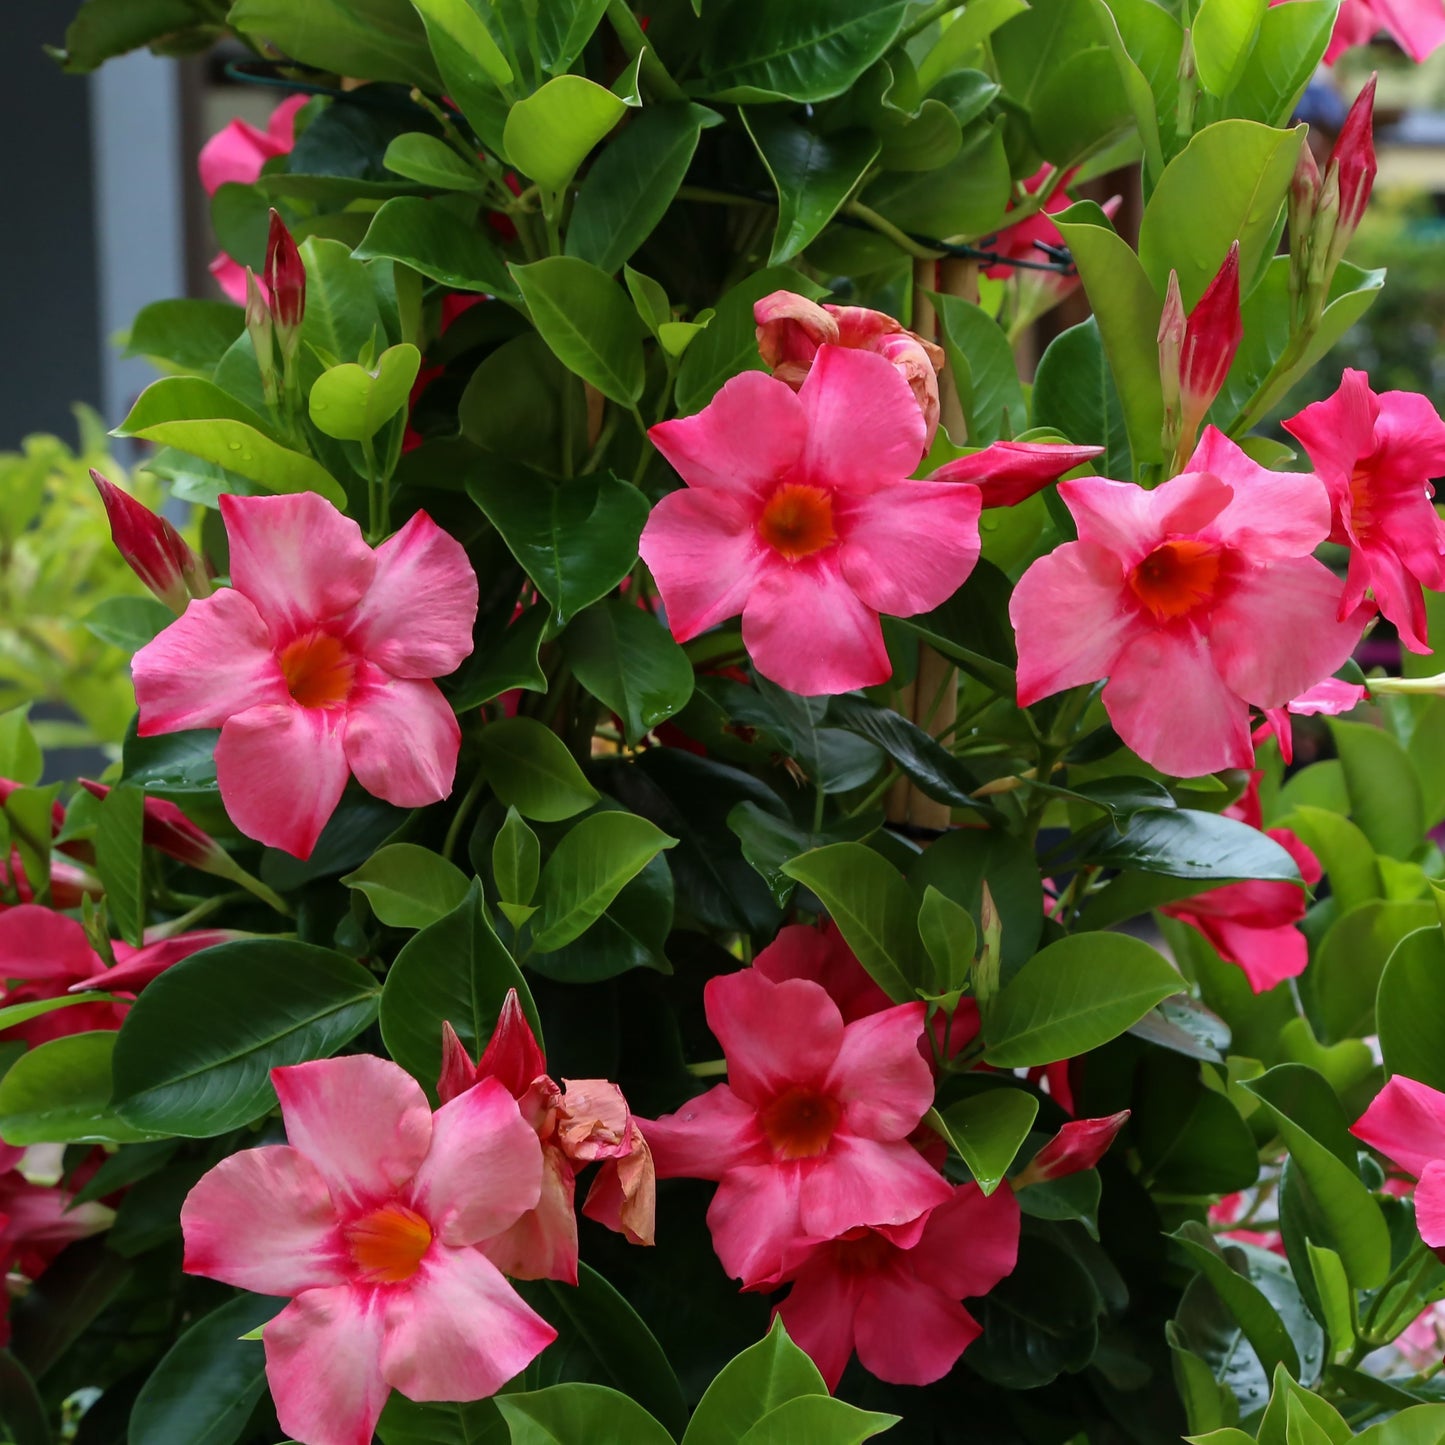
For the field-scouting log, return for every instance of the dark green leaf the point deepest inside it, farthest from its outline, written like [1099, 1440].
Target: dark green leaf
[628, 661]
[1410, 1009]
[1183, 843]
[579, 1415]
[434, 240]
[1074, 393]
[60, 1093]
[530, 769]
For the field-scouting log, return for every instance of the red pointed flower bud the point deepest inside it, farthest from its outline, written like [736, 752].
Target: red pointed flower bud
[153, 549]
[1353, 161]
[512, 1054]
[286, 281]
[1079, 1145]
[169, 831]
[1211, 338]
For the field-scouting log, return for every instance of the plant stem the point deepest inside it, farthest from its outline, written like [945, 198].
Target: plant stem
[634, 42]
[885, 227]
[934, 12]
[454, 828]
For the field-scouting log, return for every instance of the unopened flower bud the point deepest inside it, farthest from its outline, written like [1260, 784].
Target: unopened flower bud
[1353, 161]
[1211, 339]
[286, 282]
[1172, 329]
[152, 548]
[1304, 194]
[262, 332]
[168, 830]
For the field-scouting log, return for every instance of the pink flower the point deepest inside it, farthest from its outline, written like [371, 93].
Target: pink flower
[1406, 1123]
[808, 1138]
[152, 548]
[370, 1222]
[1422, 1341]
[798, 514]
[237, 154]
[587, 1121]
[1079, 1145]
[1196, 600]
[1232, 1207]
[1417, 26]
[1376, 454]
[1008, 473]
[892, 1292]
[1332, 696]
[316, 663]
[285, 284]
[166, 828]
[791, 329]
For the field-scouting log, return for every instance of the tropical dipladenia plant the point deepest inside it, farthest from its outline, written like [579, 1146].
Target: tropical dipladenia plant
[716, 847]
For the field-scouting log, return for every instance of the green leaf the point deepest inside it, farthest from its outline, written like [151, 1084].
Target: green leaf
[119, 859]
[1227, 184]
[587, 870]
[353, 403]
[814, 174]
[378, 39]
[1073, 996]
[504, 661]
[982, 364]
[579, 1415]
[874, 909]
[60, 1093]
[632, 183]
[104, 29]
[196, 1050]
[922, 758]
[628, 661]
[1127, 308]
[21, 760]
[1410, 1009]
[588, 322]
[409, 886]
[951, 940]
[435, 241]
[1347, 858]
[576, 539]
[1292, 42]
[431, 161]
[818, 1420]
[750, 1386]
[205, 1387]
[988, 1129]
[1350, 959]
[1074, 394]
[1183, 843]
[530, 769]
[1337, 1299]
[454, 971]
[966, 197]
[1224, 35]
[460, 24]
[968, 29]
[1190, 1138]
[516, 861]
[22, 1412]
[807, 50]
[128, 622]
[1384, 792]
[19, 1013]
[404, 1422]
[549, 134]
[189, 335]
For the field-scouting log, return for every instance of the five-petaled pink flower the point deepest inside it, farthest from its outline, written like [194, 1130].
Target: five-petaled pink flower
[584, 1122]
[1376, 454]
[799, 514]
[1406, 1123]
[1195, 600]
[808, 1138]
[316, 663]
[892, 1292]
[370, 1221]
[1416, 26]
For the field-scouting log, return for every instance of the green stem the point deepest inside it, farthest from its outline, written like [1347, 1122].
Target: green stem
[376, 513]
[874, 793]
[712, 1069]
[934, 12]
[1264, 394]
[885, 227]
[454, 828]
[634, 42]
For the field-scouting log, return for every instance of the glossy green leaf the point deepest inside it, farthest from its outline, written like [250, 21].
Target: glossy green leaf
[874, 909]
[967, 30]
[1350, 959]
[353, 403]
[950, 938]
[128, 622]
[380, 39]
[1224, 35]
[1184, 843]
[454, 971]
[549, 134]
[988, 1129]
[1410, 1008]
[1384, 791]
[818, 1420]
[21, 760]
[187, 334]
[1073, 996]
[814, 174]
[1291, 44]
[576, 540]
[579, 1415]
[434, 240]
[922, 758]
[628, 661]
[460, 24]
[516, 861]
[60, 1093]
[1344, 852]
[587, 870]
[981, 363]
[196, 1050]
[505, 660]
[750, 1386]
[1074, 394]
[967, 197]
[432, 162]
[409, 886]
[530, 769]
[119, 856]
[1190, 1138]
[1337, 1299]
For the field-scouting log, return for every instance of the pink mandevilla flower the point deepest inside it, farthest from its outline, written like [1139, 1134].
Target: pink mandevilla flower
[1406, 1123]
[1196, 600]
[1332, 697]
[370, 1222]
[1417, 26]
[892, 1292]
[1376, 453]
[799, 514]
[316, 663]
[808, 1138]
[580, 1124]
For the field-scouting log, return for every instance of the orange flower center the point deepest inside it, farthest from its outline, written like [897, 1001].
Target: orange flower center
[319, 669]
[1362, 498]
[800, 1122]
[1177, 577]
[389, 1244]
[797, 521]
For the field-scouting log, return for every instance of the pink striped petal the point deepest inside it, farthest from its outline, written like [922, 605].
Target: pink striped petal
[459, 1331]
[910, 546]
[323, 1364]
[416, 617]
[263, 1220]
[211, 663]
[880, 1076]
[362, 1121]
[775, 1035]
[282, 770]
[484, 1169]
[1430, 1204]
[402, 738]
[299, 560]
[1406, 1123]
[808, 631]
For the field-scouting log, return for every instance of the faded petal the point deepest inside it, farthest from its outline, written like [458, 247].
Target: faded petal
[623, 1196]
[790, 329]
[594, 1121]
[402, 738]
[542, 1244]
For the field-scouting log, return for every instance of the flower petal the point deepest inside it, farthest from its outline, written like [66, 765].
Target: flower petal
[323, 1364]
[459, 1331]
[402, 738]
[263, 1220]
[1008, 473]
[970, 1242]
[1338, 431]
[880, 1076]
[860, 1181]
[705, 1138]
[775, 1035]
[483, 1170]
[298, 559]
[1430, 1204]
[1130, 521]
[362, 1121]
[808, 631]
[864, 425]
[909, 546]
[755, 1225]
[417, 616]
[819, 1313]
[908, 1331]
[38, 943]
[1271, 514]
[703, 549]
[282, 770]
[136, 967]
[542, 1244]
[742, 442]
[212, 662]
[1406, 1123]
